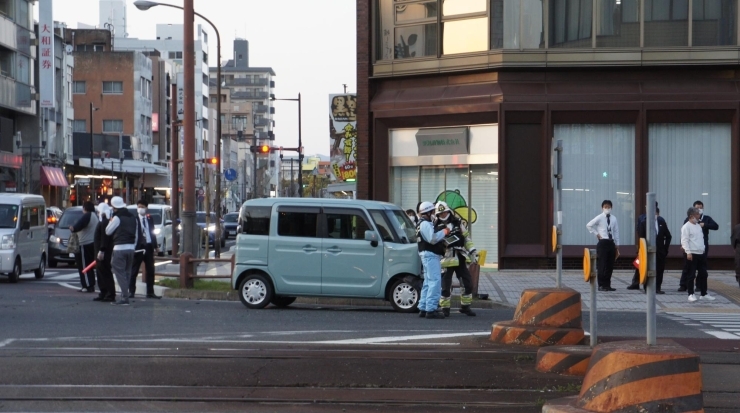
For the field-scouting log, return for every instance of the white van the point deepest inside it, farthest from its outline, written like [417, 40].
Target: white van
[23, 235]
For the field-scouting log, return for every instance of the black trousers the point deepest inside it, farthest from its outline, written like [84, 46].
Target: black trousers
[148, 259]
[696, 268]
[684, 272]
[462, 273]
[606, 253]
[659, 270]
[83, 258]
[105, 277]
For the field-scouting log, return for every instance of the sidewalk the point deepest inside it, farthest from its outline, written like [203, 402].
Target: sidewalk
[505, 287]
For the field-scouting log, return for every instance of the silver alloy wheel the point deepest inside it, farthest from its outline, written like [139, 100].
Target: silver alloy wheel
[254, 291]
[405, 296]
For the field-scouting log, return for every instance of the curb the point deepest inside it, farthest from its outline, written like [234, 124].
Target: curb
[360, 302]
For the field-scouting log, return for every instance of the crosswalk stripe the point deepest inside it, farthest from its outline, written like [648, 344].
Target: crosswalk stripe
[726, 323]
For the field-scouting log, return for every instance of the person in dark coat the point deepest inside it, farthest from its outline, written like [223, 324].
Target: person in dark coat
[147, 256]
[662, 242]
[735, 241]
[103, 253]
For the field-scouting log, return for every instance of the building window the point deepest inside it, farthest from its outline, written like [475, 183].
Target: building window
[205, 59]
[112, 125]
[666, 23]
[6, 8]
[617, 23]
[146, 88]
[570, 23]
[112, 87]
[22, 18]
[598, 164]
[206, 80]
[175, 55]
[507, 33]
[79, 87]
[79, 125]
[6, 62]
[23, 73]
[714, 23]
[239, 122]
[709, 179]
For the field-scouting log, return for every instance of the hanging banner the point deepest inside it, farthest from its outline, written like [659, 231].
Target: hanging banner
[46, 55]
[343, 133]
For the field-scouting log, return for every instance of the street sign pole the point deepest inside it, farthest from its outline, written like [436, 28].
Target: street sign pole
[650, 289]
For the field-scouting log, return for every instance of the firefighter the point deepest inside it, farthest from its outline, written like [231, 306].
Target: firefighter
[460, 252]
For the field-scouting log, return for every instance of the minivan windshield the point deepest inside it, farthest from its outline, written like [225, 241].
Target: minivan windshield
[70, 217]
[233, 217]
[403, 225]
[8, 215]
[200, 218]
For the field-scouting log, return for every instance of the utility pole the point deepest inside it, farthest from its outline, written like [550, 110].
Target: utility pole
[188, 208]
[174, 178]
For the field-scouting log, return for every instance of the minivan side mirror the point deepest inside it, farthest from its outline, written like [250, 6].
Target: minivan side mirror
[372, 236]
[168, 222]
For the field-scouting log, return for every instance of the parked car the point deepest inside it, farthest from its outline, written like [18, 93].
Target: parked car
[162, 217]
[59, 237]
[53, 214]
[200, 220]
[231, 222]
[23, 235]
[292, 247]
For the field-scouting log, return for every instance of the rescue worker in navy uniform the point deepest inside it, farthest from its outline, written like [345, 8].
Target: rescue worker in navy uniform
[431, 249]
[456, 259]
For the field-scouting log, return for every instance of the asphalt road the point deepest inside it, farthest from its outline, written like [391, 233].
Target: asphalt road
[60, 351]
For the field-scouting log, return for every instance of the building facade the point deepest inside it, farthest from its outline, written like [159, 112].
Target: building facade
[460, 100]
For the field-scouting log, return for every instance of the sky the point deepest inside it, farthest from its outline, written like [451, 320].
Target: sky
[309, 44]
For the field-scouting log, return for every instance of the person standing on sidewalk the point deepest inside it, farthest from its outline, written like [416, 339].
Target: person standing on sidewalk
[103, 245]
[431, 249]
[692, 242]
[85, 229]
[605, 227]
[663, 239]
[124, 228]
[147, 257]
[455, 260]
[735, 241]
[706, 223]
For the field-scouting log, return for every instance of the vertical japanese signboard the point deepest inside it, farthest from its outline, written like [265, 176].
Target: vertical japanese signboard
[180, 96]
[343, 132]
[46, 54]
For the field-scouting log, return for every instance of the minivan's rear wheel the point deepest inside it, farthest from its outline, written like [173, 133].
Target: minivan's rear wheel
[255, 291]
[16, 274]
[39, 272]
[282, 301]
[404, 297]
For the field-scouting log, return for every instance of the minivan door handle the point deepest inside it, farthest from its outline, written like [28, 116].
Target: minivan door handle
[334, 250]
[309, 248]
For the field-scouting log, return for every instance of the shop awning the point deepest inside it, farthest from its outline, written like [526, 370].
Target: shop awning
[53, 176]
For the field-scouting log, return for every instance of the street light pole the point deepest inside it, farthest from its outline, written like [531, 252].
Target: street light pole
[146, 5]
[188, 208]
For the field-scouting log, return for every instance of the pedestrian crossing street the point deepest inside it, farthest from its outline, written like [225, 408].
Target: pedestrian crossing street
[725, 326]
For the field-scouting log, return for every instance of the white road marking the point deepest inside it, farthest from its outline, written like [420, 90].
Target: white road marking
[6, 342]
[376, 340]
[723, 335]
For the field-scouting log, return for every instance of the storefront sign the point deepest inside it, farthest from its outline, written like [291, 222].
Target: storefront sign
[46, 54]
[181, 96]
[343, 132]
[442, 141]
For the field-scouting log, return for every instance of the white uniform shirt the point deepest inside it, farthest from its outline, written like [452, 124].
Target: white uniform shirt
[599, 226]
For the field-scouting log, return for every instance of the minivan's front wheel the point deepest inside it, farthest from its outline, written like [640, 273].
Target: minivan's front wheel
[255, 291]
[404, 297]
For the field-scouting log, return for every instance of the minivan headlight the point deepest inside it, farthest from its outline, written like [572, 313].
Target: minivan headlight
[211, 228]
[8, 242]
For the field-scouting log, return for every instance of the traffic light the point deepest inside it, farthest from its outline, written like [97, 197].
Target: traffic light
[261, 149]
[213, 161]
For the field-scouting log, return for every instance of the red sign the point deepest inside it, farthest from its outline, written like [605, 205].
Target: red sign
[155, 122]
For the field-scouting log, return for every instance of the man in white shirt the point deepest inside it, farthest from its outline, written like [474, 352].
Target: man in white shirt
[604, 227]
[692, 242]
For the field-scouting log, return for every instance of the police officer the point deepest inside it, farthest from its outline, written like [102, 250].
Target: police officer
[431, 250]
[459, 253]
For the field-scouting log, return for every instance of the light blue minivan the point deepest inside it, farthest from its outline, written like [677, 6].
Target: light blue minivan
[291, 247]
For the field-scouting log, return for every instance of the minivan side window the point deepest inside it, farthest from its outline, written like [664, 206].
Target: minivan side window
[256, 220]
[346, 224]
[298, 222]
[386, 233]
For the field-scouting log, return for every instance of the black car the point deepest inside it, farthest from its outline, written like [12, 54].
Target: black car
[231, 221]
[60, 235]
[200, 220]
[53, 215]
